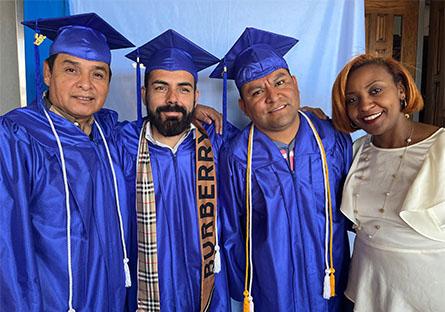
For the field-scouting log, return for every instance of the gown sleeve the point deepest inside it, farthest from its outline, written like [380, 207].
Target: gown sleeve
[19, 286]
[231, 184]
[220, 299]
[344, 155]
[126, 135]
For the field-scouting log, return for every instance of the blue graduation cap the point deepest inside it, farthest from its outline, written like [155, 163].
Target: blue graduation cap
[255, 54]
[170, 51]
[86, 36]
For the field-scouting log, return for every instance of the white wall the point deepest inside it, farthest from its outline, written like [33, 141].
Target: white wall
[9, 68]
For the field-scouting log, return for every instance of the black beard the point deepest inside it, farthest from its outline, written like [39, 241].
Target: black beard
[171, 126]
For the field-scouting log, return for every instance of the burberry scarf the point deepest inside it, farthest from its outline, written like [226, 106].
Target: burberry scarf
[148, 282]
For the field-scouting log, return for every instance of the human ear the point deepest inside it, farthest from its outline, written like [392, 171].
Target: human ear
[401, 90]
[242, 106]
[196, 97]
[294, 79]
[143, 94]
[46, 73]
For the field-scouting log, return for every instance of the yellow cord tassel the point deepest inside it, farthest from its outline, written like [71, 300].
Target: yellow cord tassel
[38, 39]
[332, 282]
[248, 302]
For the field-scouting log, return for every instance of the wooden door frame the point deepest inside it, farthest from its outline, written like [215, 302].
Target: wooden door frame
[409, 9]
[434, 111]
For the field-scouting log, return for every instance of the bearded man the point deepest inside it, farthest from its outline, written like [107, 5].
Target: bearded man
[180, 268]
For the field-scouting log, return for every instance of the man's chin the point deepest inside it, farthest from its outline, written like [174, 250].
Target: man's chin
[169, 132]
[80, 114]
[171, 125]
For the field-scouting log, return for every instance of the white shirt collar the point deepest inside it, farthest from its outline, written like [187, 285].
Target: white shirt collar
[174, 149]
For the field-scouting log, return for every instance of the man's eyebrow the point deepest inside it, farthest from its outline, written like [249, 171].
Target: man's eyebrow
[180, 84]
[98, 67]
[253, 87]
[279, 76]
[74, 63]
[71, 62]
[162, 82]
[185, 84]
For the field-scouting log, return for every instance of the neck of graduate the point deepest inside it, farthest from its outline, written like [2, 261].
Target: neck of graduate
[285, 135]
[85, 124]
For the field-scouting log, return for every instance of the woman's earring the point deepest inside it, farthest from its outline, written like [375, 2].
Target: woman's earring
[403, 104]
[354, 126]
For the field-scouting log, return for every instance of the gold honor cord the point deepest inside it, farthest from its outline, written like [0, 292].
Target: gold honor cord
[329, 280]
[248, 300]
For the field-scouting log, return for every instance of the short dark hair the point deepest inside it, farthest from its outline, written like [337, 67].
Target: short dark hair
[52, 58]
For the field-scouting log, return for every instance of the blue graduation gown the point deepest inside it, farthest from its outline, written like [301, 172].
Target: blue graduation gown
[33, 242]
[178, 245]
[288, 219]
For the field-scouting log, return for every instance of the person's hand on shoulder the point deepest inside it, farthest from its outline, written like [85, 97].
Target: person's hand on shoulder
[318, 112]
[207, 114]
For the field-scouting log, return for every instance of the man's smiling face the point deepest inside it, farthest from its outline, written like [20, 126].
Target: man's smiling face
[77, 86]
[271, 102]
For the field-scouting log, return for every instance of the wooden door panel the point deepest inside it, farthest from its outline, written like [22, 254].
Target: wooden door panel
[380, 21]
[434, 111]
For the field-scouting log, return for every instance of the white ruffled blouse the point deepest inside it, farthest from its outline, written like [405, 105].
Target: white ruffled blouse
[396, 200]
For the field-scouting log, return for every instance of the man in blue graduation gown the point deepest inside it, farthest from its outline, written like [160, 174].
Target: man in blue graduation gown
[179, 267]
[283, 178]
[64, 219]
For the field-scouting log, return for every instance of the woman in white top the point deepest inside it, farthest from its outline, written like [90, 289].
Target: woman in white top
[395, 190]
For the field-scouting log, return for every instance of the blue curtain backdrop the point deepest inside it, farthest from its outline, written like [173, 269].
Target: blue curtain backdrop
[33, 9]
[330, 33]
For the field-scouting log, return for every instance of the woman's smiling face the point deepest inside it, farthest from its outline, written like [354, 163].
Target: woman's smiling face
[373, 99]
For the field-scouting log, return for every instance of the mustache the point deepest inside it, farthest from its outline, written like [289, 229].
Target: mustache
[171, 108]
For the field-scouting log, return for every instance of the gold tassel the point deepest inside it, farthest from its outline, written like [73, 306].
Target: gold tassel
[247, 303]
[332, 280]
[39, 38]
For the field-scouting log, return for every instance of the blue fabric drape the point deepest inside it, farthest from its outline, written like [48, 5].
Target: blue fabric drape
[330, 33]
[33, 9]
